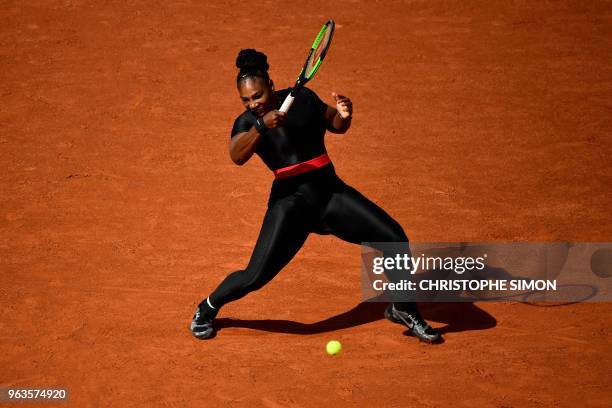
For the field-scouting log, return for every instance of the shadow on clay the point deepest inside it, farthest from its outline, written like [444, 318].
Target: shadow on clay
[457, 317]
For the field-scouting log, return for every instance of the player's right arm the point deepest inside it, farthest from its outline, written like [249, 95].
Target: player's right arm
[243, 145]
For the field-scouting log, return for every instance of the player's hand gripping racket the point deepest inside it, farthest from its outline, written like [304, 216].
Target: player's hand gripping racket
[313, 62]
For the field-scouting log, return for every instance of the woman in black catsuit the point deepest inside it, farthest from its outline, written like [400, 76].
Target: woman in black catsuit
[307, 195]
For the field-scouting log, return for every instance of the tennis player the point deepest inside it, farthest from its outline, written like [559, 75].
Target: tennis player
[307, 196]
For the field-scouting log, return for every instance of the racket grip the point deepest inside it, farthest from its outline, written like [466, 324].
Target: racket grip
[287, 103]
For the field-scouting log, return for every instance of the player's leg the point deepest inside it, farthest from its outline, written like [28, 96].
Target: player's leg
[282, 234]
[352, 217]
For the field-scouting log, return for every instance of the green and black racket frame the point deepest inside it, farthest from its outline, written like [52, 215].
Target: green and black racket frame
[313, 62]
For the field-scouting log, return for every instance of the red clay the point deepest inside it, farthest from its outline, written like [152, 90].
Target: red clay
[120, 208]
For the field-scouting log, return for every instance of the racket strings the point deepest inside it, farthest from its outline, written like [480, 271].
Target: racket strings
[319, 47]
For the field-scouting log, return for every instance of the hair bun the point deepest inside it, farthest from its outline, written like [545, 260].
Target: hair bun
[252, 60]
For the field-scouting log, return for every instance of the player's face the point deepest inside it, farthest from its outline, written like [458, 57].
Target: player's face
[257, 94]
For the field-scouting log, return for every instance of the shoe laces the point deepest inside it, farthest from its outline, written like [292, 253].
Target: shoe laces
[415, 320]
[200, 318]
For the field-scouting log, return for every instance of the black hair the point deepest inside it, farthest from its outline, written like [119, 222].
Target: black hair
[251, 63]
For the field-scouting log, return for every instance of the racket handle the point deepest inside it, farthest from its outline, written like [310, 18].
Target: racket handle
[287, 103]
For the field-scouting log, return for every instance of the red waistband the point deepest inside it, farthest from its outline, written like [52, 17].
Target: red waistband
[302, 167]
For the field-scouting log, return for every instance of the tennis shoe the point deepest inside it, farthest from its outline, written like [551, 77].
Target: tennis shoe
[417, 326]
[202, 326]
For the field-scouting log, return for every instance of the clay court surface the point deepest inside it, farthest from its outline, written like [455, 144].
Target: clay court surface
[120, 208]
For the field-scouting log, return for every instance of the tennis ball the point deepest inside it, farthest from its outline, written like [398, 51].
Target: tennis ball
[333, 347]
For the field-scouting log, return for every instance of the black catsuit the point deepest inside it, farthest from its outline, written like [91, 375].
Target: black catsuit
[316, 201]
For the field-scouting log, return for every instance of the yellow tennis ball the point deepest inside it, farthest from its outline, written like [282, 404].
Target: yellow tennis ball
[333, 347]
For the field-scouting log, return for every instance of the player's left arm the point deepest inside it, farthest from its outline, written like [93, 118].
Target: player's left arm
[338, 118]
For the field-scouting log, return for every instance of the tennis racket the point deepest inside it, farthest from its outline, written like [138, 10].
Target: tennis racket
[313, 62]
